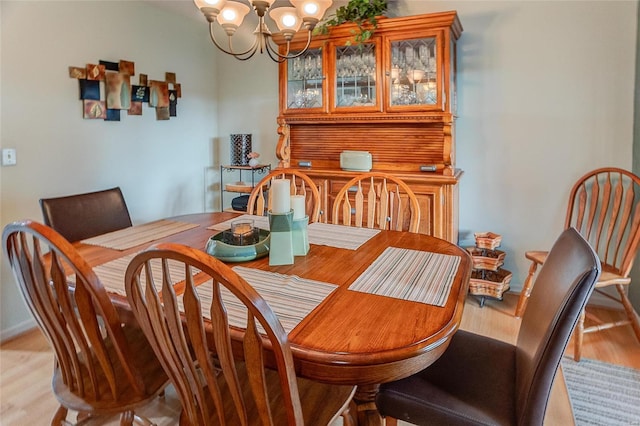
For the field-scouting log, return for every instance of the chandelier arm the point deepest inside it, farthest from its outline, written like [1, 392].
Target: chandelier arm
[274, 55]
[251, 51]
[247, 57]
[281, 58]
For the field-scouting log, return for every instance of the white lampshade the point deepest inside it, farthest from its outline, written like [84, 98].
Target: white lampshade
[286, 19]
[313, 9]
[232, 15]
[216, 4]
[210, 8]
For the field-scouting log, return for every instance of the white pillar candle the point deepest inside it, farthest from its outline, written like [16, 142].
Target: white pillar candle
[298, 206]
[280, 196]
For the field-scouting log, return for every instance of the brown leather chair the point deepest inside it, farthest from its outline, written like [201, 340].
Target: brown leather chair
[213, 387]
[103, 366]
[81, 216]
[482, 381]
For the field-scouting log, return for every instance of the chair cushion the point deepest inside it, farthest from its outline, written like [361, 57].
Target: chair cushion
[472, 383]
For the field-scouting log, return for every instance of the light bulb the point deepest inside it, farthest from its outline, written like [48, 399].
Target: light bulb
[229, 14]
[311, 8]
[288, 21]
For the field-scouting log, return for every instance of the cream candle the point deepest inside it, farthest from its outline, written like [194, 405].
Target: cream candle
[298, 206]
[280, 196]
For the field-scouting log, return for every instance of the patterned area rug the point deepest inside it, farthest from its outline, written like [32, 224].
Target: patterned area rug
[602, 394]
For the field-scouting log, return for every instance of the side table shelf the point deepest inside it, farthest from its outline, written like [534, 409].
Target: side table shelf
[230, 186]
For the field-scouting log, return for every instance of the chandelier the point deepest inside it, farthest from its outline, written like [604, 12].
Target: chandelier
[229, 15]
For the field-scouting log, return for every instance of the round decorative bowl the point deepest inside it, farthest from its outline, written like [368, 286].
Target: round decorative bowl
[234, 253]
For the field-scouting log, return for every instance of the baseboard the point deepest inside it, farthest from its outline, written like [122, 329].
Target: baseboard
[17, 329]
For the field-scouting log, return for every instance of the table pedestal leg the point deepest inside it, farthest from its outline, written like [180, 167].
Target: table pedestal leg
[365, 399]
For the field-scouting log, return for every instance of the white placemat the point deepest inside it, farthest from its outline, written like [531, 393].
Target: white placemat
[340, 236]
[290, 297]
[126, 238]
[111, 274]
[415, 275]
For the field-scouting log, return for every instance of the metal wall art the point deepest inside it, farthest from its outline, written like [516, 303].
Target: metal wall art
[106, 90]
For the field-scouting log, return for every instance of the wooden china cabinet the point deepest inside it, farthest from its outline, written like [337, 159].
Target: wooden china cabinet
[393, 96]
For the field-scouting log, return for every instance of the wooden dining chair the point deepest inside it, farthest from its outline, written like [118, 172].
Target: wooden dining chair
[377, 200]
[80, 216]
[200, 355]
[604, 205]
[102, 367]
[301, 184]
[482, 381]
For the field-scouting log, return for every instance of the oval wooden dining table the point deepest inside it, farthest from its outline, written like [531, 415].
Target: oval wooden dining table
[351, 337]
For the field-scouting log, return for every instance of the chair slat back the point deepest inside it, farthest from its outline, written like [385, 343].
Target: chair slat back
[204, 373]
[604, 206]
[300, 184]
[75, 314]
[390, 203]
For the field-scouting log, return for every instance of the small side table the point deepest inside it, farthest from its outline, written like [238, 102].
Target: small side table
[257, 173]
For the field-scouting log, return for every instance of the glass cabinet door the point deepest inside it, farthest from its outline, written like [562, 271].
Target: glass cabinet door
[414, 72]
[305, 79]
[355, 76]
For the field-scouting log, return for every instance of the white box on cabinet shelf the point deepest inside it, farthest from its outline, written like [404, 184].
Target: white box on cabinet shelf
[358, 161]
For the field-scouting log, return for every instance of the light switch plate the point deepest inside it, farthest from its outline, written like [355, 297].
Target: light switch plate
[8, 157]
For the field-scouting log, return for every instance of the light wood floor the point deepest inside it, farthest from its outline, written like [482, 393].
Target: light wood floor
[26, 364]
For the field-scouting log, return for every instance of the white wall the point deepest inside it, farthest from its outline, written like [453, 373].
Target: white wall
[634, 290]
[158, 164]
[248, 103]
